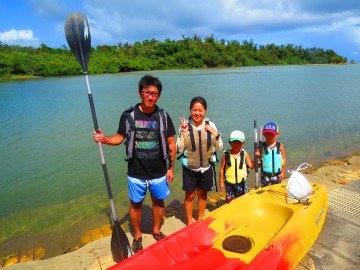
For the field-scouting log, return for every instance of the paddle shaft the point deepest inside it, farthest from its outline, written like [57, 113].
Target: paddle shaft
[120, 246]
[77, 34]
[256, 158]
[96, 126]
[260, 167]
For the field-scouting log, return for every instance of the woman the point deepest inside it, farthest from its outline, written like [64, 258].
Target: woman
[198, 138]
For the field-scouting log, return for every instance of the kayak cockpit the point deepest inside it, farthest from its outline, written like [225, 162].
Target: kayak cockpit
[248, 229]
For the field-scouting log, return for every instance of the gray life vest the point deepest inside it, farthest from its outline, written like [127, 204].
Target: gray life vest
[200, 155]
[130, 133]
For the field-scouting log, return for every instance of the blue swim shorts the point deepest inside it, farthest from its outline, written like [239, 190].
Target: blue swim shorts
[158, 188]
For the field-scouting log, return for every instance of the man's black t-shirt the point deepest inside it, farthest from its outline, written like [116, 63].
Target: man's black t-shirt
[148, 160]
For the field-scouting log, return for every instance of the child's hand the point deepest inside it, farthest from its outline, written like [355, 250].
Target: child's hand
[257, 154]
[222, 186]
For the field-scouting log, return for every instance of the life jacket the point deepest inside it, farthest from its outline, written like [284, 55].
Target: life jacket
[235, 169]
[271, 159]
[130, 133]
[201, 145]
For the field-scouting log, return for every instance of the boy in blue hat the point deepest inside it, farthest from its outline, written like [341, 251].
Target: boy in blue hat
[273, 156]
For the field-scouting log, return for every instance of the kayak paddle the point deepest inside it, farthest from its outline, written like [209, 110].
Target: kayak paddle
[77, 34]
[256, 158]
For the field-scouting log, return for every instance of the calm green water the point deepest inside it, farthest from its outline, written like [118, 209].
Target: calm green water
[52, 188]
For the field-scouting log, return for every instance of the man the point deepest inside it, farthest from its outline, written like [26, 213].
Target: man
[149, 134]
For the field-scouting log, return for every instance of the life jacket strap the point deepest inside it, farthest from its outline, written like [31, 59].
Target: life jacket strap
[241, 159]
[130, 130]
[227, 158]
[163, 129]
[192, 138]
[200, 149]
[236, 175]
[207, 122]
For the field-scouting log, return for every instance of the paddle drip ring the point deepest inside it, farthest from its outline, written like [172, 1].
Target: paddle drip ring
[237, 243]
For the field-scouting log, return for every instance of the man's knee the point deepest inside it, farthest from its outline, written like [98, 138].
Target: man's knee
[135, 205]
[157, 202]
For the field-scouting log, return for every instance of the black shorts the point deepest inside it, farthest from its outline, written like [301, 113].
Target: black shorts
[193, 180]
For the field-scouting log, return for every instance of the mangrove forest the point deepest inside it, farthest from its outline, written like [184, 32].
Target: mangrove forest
[186, 53]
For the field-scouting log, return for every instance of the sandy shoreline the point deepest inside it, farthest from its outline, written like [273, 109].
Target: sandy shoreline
[97, 254]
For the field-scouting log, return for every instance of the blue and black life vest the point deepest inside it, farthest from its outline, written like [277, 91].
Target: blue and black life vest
[272, 161]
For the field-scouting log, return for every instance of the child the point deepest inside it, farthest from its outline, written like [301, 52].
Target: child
[233, 167]
[273, 156]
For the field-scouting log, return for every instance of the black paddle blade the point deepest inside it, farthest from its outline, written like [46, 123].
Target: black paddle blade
[120, 246]
[77, 32]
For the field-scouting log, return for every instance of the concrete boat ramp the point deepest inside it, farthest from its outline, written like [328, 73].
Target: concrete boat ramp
[337, 247]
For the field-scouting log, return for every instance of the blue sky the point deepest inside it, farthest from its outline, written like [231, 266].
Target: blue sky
[327, 24]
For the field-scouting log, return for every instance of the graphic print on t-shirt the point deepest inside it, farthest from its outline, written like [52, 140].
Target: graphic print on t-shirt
[147, 139]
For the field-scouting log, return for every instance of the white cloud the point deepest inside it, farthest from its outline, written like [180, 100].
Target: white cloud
[321, 23]
[13, 35]
[139, 20]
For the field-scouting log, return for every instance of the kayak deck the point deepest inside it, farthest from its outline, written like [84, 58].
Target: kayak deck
[259, 230]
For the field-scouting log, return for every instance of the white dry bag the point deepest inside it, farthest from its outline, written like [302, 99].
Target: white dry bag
[298, 188]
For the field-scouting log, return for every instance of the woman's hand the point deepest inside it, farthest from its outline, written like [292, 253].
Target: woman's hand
[184, 125]
[212, 130]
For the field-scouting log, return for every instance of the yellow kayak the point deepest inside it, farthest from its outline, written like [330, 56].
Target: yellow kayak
[259, 230]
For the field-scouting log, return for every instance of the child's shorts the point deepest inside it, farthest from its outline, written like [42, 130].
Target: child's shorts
[268, 179]
[235, 190]
[158, 188]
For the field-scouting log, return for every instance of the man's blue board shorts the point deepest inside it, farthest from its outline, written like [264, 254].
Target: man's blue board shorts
[158, 188]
